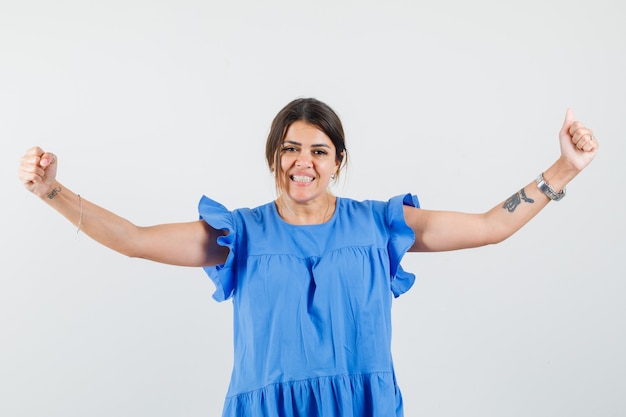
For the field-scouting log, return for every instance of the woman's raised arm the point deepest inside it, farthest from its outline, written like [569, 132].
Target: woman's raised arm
[443, 230]
[187, 244]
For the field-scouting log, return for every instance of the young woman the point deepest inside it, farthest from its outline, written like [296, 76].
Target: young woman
[311, 275]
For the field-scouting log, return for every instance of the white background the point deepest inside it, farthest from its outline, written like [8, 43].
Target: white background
[150, 104]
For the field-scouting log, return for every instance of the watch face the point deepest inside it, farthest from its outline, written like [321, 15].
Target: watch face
[547, 190]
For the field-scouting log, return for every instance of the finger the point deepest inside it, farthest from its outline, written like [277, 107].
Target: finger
[569, 120]
[580, 133]
[575, 127]
[30, 172]
[47, 159]
[592, 143]
[29, 160]
[32, 156]
[30, 176]
[30, 163]
[36, 151]
[584, 140]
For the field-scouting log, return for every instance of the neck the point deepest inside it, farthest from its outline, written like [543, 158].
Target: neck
[317, 212]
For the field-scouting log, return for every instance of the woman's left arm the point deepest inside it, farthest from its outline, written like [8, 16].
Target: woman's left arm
[446, 230]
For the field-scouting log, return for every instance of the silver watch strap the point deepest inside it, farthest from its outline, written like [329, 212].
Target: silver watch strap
[547, 190]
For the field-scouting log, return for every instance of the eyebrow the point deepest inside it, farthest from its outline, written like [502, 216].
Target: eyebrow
[315, 145]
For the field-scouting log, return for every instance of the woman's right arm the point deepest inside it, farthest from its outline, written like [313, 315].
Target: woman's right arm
[186, 244]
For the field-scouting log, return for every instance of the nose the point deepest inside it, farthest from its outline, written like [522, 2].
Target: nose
[304, 160]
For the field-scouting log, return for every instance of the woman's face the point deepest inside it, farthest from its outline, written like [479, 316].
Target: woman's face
[307, 160]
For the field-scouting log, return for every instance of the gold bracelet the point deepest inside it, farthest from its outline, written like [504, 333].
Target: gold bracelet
[80, 214]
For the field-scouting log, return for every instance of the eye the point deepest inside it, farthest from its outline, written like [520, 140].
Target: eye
[288, 149]
[320, 152]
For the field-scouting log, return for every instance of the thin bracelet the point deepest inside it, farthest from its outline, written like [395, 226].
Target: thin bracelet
[80, 214]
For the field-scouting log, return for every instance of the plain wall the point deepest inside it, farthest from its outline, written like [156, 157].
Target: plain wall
[150, 104]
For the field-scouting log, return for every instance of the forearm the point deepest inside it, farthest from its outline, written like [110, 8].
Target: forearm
[512, 214]
[98, 223]
[448, 230]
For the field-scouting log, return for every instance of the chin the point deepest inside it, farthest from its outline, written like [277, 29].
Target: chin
[301, 197]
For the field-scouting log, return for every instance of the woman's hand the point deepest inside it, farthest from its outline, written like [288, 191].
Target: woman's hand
[578, 144]
[37, 171]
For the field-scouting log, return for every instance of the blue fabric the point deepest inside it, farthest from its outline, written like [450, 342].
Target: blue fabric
[312, 308]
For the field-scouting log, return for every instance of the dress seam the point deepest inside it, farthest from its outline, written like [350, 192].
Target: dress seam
[307, 379]
[374, 246]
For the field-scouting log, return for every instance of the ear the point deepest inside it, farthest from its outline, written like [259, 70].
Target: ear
[338, 162]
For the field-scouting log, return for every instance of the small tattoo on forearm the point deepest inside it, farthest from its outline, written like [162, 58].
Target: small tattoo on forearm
[54, 192]
[515, 200]
[525, 198]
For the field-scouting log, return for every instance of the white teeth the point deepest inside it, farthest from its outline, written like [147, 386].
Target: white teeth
[301, 178]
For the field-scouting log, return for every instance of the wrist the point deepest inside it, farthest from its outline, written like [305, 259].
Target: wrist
[53, 193]
[50, 192]
[550, 192]
[559, 174]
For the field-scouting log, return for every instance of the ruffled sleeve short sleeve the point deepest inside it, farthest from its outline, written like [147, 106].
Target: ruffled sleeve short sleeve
[220, 218]
[401, 240]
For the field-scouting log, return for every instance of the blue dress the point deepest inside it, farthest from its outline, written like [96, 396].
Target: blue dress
[312, 308]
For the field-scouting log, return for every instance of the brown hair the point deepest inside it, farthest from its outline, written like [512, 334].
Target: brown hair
[314, 112]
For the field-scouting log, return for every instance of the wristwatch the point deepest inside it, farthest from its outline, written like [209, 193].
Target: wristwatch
[549, 191]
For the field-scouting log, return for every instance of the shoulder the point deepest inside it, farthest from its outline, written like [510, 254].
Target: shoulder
[392, 207]
[220, 217]
[363, 214]
[258, 213]
[255, 221]
[360, 205]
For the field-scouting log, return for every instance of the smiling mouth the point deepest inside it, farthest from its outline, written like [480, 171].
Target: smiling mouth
[301, 178]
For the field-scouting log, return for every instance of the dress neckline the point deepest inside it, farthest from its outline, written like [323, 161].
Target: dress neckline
[330, 220]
